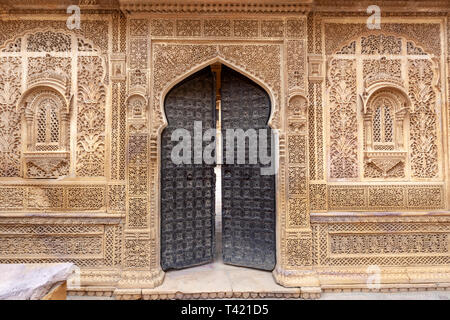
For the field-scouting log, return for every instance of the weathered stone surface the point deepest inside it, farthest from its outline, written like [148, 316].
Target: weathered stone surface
[31, 281]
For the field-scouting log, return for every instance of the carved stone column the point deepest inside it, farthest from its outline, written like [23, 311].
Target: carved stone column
[140, 268]
[367, 131]
[29, 121]
[296, 268]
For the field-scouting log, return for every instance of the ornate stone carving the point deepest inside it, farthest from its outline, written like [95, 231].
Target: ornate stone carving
[272, 28]
[296, 64]
[43, 197]
[116, 198]
[426, 34]
[297, 107]
[91, 117]
[91, 244]
[424, 151]
[375, 70]
[381, 198]
[246, 28]
[48, 42]
[162, 27]
[315, 68]
[10, 140]
[298, 247]
[189, 28]
[117, 116]
[217, 28]
[296, 28]
[138, 27]
[176, 60]
[381, 241]
[318, 197]
[118, 67]
[381, 44]
[343, 124]
[46, 113]
[137, 251]
[384, 132]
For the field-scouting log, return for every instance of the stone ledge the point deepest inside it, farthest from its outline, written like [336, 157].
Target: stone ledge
[60, 217]
[367, 216]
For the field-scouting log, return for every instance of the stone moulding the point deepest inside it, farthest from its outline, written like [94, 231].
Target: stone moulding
[391, 277]
[281, 7]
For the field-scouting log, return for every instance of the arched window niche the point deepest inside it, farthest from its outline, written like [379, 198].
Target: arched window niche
[385, 110]
[46, 113]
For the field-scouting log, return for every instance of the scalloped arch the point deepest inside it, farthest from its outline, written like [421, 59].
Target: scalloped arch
[392, 93]
[29, 96]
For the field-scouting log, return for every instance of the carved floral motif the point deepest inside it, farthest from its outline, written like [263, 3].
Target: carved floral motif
[343, 123]
[10, 139]
[91, 117]
[424, 152]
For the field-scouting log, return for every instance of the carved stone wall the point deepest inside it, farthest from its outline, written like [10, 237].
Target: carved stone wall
[57, 202]
[345, 200]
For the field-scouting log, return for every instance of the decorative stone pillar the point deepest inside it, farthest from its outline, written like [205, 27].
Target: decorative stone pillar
[368, 131]
[295, 268]
[29, 120]
[141, 268]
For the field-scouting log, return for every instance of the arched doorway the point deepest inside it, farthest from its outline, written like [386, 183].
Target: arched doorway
[230, 101]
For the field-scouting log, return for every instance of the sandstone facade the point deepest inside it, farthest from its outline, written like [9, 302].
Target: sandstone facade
[362, 117]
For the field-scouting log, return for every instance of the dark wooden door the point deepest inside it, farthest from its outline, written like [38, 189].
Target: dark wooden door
[187, 190]
[248, 208]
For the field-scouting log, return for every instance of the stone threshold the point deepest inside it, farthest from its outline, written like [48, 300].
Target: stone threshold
[210, 281]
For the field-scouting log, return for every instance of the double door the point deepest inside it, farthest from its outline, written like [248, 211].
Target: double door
[188, 187]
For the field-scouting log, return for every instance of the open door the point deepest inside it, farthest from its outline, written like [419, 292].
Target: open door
[187, 190]
[248, 208]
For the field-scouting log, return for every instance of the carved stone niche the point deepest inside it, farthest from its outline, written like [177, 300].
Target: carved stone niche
[297, 113]
[46, 116]
[315, 68]
[385, 108]
[118, 64]
[137, 111]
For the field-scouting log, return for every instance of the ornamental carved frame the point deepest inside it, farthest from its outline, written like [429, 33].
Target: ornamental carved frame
[165, 57]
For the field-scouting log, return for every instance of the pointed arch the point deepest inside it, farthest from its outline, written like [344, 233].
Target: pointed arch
[204, 64]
